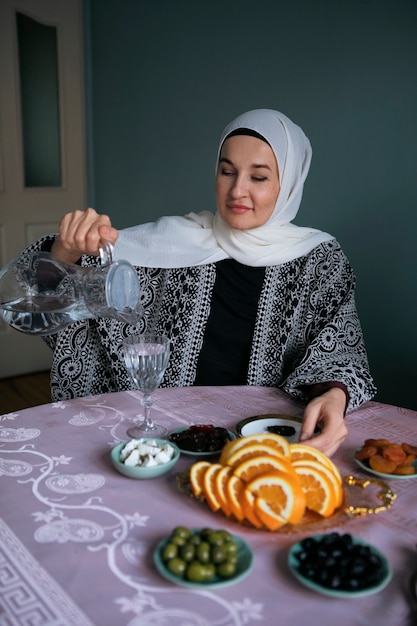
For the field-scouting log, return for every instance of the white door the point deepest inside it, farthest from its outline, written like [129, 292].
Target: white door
[42, 147]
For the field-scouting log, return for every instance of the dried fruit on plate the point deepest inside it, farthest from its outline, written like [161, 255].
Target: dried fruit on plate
[388, 457]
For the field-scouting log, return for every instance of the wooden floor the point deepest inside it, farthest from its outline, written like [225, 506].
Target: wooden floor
[22, 392]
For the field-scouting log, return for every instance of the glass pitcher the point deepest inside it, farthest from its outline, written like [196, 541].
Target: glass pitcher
[40, 295]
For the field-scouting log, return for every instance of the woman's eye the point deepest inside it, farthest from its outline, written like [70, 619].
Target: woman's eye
[227, 172]
[259, 179]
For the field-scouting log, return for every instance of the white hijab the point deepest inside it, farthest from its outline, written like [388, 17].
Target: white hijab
[200, 238]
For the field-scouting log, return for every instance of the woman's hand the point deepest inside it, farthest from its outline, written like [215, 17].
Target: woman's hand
[327, 412]
[82, 232]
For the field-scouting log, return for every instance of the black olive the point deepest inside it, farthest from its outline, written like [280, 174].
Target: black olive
[303, 555]
[308, 543]
[284, 431]
[335, 582]
[335, 562]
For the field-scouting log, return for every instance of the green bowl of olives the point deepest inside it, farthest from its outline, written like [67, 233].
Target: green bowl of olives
[203, 557]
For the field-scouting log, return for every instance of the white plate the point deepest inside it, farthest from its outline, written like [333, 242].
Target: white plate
[260, 423]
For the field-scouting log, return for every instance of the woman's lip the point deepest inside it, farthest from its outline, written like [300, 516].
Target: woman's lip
[238, 208]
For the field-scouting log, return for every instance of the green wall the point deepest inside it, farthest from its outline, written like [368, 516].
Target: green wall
[165, 77]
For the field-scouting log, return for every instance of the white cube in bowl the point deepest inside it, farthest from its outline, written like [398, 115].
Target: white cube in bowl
[145, 458]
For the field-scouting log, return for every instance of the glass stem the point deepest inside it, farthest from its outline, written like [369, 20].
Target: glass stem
[147, 403]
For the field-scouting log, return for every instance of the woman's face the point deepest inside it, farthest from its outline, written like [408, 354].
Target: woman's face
[247, 182]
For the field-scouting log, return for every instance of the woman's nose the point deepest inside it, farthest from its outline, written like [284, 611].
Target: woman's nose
[239, 187]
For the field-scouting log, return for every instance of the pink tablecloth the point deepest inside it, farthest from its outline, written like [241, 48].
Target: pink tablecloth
[76, 537]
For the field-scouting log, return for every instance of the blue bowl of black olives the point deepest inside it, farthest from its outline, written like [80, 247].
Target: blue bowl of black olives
[339, 565]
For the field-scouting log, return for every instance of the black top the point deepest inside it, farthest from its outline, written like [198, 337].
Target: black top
[224, 357]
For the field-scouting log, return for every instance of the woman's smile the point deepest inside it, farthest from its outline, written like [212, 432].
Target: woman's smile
[238, 208]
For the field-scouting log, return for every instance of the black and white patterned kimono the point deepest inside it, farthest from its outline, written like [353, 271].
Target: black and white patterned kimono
[306, 330]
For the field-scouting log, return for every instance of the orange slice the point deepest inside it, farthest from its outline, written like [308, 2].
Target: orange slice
[228, 449]
[247, 501]
[303, 451]
[335, 471]
[233, 488]
[336, 474]
[249, 452]
[268, 515]
[209, 489]
[269, 440]
[197, 472]
[220, 480]
[317, 486]
[283, 492]
[257, 465]
[336, 485]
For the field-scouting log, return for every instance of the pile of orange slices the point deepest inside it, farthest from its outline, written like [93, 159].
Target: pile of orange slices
[268, 481]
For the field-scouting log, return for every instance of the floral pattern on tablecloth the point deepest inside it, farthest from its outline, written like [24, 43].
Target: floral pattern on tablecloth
[83, 518]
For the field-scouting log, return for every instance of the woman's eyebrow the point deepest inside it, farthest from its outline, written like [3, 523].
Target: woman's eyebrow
[224, 160]
[254, 165]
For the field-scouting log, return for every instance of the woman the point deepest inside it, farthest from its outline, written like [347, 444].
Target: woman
[245, 296]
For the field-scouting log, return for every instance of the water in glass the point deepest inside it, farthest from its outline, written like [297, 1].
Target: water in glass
[146, 358]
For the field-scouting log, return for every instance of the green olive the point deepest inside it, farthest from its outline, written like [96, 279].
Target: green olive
[177, 540]
[170, 551]
[218, 554]
[196, 572]
[195, 539]
[231, 547]
[177, 566]
[232, 558]
[187, 552]
[226, 569]
[181, 531]
[210, 571]
[203, 552]
[226, 536]
[215, 538]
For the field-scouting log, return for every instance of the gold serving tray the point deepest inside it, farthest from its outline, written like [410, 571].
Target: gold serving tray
[362, 496]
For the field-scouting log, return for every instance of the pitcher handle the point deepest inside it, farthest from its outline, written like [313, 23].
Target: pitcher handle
[106, 253]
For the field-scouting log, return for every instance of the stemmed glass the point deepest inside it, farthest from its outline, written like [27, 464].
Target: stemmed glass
[146, 357]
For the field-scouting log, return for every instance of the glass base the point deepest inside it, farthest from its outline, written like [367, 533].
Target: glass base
[139, 431]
